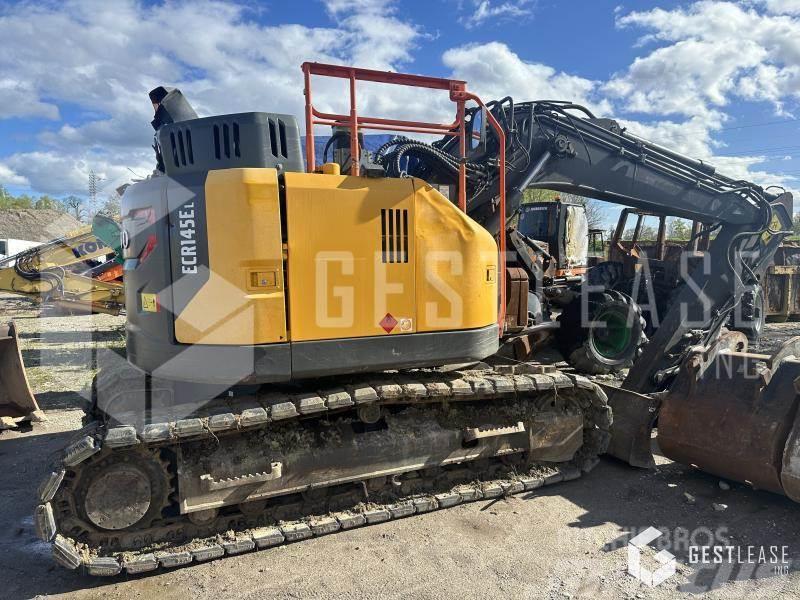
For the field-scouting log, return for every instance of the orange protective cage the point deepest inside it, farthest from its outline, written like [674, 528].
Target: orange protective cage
[458, 94]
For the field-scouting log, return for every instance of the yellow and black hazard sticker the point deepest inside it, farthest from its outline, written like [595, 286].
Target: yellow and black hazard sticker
[149, 302]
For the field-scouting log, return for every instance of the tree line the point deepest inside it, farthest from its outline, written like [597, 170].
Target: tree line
[72, 205]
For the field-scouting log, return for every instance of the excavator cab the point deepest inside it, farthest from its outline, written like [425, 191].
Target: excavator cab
[564, 231]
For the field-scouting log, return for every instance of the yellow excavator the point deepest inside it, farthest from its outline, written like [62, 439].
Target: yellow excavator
[77, 274]
[313, 348]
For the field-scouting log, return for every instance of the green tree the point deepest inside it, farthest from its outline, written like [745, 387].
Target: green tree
[646, 234]
[6, 199]
[538, 195]
[48, 202]
[594, 211]
[678, 229]
[22, 201]
[9, 200]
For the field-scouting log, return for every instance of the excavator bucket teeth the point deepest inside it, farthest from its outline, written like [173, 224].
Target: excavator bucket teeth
[17, 402]
[735, 415]
[634, 415]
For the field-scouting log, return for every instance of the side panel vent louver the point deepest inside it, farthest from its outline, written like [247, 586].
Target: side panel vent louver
[180, 142]
[394, 235]
[226, 141]
[277, 138]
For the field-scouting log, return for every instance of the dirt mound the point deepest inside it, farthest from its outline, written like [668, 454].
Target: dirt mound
[36, 225]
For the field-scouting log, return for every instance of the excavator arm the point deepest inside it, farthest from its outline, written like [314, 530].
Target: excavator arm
[564, 147]
[683, 381]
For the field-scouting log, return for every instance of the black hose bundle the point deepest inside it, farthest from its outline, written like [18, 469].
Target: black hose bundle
[406, 157]
[25, 268]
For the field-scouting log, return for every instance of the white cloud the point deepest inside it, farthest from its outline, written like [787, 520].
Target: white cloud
[481, 11]
[9, 177]
[699, 60]
[337, 7]
[59, 173]
[780, 7]
[691, 137]
[493, 70]
[694, 63]
[18, 99]
[107, 61]
[709, 54]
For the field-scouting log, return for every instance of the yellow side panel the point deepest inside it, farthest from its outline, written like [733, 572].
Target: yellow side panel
[456, 266]
[243, 300]
[350, 264]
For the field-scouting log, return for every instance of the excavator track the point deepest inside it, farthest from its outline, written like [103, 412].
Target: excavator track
[118, 502]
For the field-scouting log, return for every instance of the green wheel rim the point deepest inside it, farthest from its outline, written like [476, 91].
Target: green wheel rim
[614, 339]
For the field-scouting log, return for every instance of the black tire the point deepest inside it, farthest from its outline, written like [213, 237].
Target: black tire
[601, 350]
[752, 314]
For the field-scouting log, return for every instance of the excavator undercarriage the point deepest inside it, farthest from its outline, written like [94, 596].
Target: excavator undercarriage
[139, 492]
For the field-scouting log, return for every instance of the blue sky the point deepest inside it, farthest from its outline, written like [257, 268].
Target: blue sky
[718, 80]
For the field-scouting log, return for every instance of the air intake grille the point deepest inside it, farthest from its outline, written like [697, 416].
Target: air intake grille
[226, 141]
[277, 138]
[180, 142]
[394, 235]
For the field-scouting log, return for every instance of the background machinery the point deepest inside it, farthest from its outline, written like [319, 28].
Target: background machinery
[561, 230]
[81, 273]
[306, 347]
[782, 284]
[774, 299]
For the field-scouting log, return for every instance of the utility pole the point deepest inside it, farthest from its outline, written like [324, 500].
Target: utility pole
[93, 181]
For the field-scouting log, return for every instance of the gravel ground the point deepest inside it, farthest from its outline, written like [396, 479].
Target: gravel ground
[569, 541]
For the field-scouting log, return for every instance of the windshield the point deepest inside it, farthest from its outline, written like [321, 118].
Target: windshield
[533, 222]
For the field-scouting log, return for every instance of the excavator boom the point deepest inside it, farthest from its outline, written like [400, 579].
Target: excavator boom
[563, 147]
[62, 271]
